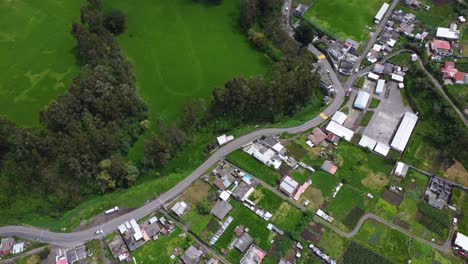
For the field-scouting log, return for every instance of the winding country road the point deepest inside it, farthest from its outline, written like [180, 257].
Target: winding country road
[80, 237]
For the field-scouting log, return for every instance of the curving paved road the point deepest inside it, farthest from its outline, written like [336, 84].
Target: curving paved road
[76, 238]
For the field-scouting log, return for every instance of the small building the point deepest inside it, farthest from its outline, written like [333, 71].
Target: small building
[448, 33]
[373, 76]
[362, 100]
[339, 117]
[461, 241]
[449, 70]
[441, 47]
[300, 10]
[6, 245]
[382, 149]
[317, 136]
[438, 192]
[223, 139]
[378, 68]
[76, 254]
[367, 142]
[461, 78]
[383, 9]
[397, 78]
[224, 182]
[404, 131]
[254, 255]
[221, 209]
[340, 130]
[329, 167]
[179, 208]
[192, 255]
[288, 185]
[18, 248]
[401, 169]
[243, 191]
[243, 242]
[118, 249]
[380, 87]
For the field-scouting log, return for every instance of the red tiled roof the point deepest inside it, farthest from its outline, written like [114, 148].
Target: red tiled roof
[440, 44]
[449, 65]
[459, 76]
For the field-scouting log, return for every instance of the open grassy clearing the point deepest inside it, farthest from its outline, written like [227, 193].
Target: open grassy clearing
[346, 199]
[459, 95]
[181, 50]
[159, 251]
[402, 59]
[254, 167]
[333, 244]
[344, 18]
[38, 60]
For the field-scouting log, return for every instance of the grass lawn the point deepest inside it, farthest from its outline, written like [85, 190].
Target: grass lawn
[374, 103]
[98, 252]
[38, 60]
[266, 199]
[181, 50]
[367, 118]
[159, 251]
[254, 167]
[402, 59]
[333, 244]
[385, 209]
[344, 18]
[287, 217]
[346, 199]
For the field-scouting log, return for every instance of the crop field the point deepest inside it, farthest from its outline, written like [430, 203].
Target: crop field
[345, 201]
[344, 18]
[353, 217]
[333, 243]
[38, 60]
[357, 254]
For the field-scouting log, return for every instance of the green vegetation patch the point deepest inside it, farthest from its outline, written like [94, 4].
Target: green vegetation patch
[38, 58]
[458, 94]
[254, 167]
[333, 244]
[438, 221]
[353, 217]
[345, 201]
[357, 254]
[344, 18]
[374, 103]
[287, 217]
[367, 118]
[266, 199]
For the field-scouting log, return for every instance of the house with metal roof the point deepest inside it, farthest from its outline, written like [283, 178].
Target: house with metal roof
[288, 185]
[192, 255]
[221, 209]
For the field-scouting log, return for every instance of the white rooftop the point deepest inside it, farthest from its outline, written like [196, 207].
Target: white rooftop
[447, 33]
[224, 195]
[399, 168]
[373, 76]
[361, 100]
[136, 228]
[278, 147]
[382, 149]
[397, 78]
[339, 117]
[381, 12]
[380, 86]
[367, 142]
[288, 185]
[340, 130]
[404, 131]
[18, 248]
[462, 241]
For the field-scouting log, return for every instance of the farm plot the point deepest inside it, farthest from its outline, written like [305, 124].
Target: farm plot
[345, 201]
[344, 18]
[353, 217]
[357, 254]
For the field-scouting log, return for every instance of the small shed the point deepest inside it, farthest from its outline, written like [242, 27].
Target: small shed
[401, 169]
[361, 100]
[179, 208]
[243, 242]
[397, 78]
[339, 117]
[329, 167]
[317, 136]
[373, 76]
[221, 209]
[367, 142]
[380, 87]
[192, 255]
[288, 185]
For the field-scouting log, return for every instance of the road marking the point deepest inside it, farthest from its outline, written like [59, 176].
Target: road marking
[321, 57]
[323, 116]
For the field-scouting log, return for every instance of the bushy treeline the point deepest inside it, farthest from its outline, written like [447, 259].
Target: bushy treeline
[78, 149]
[447, 131]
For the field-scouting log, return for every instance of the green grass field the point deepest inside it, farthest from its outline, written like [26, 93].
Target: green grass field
[36, 49]
[344, 18]
[181, 50]
[254, 167]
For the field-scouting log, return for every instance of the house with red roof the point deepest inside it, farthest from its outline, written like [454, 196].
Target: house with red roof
[451, 74]
[441, 47]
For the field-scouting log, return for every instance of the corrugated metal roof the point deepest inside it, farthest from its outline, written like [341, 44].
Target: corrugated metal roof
[404, 131]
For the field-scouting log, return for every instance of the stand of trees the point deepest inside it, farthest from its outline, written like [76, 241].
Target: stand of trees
[84, 132]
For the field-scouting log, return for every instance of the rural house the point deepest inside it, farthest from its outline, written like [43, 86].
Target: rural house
[329, 167]
[179, 208]
[243, 242]
[288, 185]
[253, 256]
[192, 255]
[221, 209]
[6, 245]
[441, 47]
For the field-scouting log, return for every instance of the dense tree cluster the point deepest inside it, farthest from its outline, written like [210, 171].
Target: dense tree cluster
[288, 87]
[77, 150]
[447, 132]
